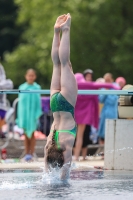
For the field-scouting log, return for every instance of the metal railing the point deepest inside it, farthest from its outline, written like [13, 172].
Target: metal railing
[83, 92]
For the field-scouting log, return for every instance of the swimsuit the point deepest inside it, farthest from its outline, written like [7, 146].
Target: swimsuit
[59, 103]
[56, 134]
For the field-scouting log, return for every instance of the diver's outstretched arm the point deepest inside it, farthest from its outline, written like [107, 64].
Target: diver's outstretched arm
[64, 50]
[65, 170]
[55, 48]
[56, 40]
[56, 76]
[68, 82]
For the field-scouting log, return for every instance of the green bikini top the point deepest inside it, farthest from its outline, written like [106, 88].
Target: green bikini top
[59, 103]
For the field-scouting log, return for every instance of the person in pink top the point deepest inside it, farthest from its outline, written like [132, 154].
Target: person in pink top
[88, 76]
[121, 82]
[86, 109]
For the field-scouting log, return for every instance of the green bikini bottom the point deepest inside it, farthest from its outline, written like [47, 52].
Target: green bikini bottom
[56, 134]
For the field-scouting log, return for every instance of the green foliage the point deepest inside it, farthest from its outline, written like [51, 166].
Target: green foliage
[101, 38]
[35, 49]
[101, 41]
[9, 33]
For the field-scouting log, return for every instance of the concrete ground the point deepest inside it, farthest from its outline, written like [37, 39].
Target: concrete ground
[90, 163]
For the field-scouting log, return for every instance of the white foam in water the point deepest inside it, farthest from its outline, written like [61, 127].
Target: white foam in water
[54, 174]
[12, 186]
[74, 166]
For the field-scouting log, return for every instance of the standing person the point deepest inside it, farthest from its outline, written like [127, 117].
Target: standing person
[63, 95]
[4, 84]
[109, 109]
[86, 109]
[121, 81]
[29, 111]
[88, 76]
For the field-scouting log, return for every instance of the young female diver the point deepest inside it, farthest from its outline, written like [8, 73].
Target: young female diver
[58, 150]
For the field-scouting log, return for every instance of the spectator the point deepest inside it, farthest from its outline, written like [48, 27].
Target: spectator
[88, 73]
[121, 82]
[86, 110]
[109, 109]
[29, 111]
[100, 80]
[4, 84]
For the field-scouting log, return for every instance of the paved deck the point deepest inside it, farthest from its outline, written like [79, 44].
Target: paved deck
[87, 164]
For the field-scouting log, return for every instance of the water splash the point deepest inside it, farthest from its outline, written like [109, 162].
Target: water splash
[12, 186]
[53, 176]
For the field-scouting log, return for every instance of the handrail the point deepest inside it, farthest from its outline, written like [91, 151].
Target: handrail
[83, 92]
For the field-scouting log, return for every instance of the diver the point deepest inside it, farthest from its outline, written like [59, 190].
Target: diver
[63, 96]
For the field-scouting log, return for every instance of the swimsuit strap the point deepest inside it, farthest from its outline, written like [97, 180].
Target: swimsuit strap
[56, 136]
[64, 131]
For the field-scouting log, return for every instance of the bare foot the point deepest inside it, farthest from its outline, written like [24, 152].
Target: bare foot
[60, 20]
[66, 25]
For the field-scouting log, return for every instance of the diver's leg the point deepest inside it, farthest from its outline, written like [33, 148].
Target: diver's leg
[68, 82]
[56, 76]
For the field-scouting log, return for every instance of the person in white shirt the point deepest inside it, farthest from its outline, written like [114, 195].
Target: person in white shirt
[4, 84]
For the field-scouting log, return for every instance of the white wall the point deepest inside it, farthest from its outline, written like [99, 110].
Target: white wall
[119, 144]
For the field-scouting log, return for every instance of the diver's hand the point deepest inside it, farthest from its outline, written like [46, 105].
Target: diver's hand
[65, 171]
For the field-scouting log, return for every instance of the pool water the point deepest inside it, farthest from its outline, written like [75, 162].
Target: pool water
[82, 185]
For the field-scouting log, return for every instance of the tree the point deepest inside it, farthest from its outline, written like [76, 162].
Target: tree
[105, 37]
[100, 38]
[9, 33]
[35, 49]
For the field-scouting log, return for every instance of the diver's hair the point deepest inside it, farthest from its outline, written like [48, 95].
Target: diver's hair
[55, 156]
